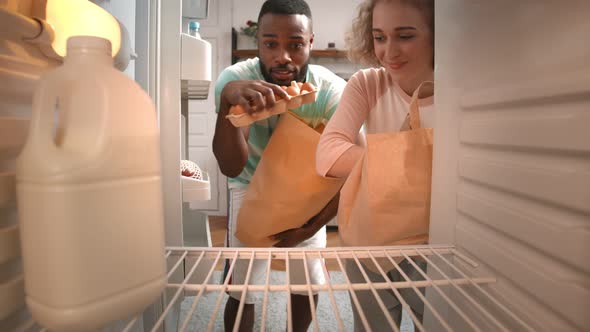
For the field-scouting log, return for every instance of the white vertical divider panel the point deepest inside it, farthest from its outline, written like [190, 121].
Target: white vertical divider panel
[168, 107]
[511, 178]
[216, 29]
[168, 104]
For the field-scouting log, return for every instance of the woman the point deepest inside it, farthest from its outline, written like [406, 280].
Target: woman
[396, 36]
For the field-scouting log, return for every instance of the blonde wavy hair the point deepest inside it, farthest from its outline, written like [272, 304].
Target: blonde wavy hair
[359, 39]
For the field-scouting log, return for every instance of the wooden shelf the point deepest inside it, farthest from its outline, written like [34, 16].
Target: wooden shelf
[329, 53]
[314, 53]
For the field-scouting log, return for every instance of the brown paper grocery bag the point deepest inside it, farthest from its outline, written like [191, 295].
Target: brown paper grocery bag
[386, 198]
[285, 190]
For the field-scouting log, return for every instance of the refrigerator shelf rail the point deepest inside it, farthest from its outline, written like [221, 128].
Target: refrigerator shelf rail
[451, 278]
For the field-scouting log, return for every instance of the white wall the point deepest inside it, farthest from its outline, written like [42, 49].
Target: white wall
[124, 11]
[331, 21]
[331, 18]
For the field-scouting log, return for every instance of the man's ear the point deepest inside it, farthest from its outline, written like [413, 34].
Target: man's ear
[311, 41]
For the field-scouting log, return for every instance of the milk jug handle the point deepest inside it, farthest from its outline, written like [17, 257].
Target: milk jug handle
[44, 104]
[42, 122]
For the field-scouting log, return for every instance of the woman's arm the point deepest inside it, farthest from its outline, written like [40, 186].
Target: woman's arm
[346, 162]
[337, 152]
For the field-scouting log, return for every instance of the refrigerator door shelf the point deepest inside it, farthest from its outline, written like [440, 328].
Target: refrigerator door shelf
[196, 190]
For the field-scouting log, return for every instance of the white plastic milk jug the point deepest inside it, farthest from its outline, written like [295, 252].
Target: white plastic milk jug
[89, 194]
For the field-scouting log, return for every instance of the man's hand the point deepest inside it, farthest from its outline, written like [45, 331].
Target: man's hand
[230, 144]
[292, 237]
[253, 96]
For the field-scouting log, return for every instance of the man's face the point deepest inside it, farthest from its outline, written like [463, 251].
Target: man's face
[284, 43]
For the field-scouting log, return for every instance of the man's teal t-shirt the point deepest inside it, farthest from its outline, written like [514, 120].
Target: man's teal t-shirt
[329, 88]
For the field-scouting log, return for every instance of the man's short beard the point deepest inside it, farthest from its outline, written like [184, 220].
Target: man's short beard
[268, 77]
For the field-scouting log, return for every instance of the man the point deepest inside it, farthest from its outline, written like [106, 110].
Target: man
[285, 39]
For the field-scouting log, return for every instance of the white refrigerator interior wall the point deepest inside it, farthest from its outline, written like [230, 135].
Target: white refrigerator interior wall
[511, 182]
[124, 11]
[20, 67]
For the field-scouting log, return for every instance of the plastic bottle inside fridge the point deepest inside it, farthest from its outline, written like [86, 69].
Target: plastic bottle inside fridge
[195, 56]
[89, 194]
[193, 29]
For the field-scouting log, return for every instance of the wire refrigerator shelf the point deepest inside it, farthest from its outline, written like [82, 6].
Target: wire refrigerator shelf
[449, 282]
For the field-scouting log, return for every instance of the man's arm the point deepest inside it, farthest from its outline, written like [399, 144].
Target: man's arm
[292, 237]
[230, 144]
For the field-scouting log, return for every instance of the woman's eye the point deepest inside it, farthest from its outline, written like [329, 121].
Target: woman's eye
[378, 38]
[406, 37]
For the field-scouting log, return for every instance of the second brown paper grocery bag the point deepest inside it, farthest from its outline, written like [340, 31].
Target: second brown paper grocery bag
[386, 198]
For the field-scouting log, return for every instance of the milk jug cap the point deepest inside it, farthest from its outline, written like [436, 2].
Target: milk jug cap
[89, 43]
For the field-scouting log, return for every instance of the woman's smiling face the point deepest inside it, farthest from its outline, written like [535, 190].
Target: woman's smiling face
[402, 42]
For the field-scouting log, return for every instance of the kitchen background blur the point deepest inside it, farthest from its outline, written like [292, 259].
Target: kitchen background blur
[510, 180]
[331, 21]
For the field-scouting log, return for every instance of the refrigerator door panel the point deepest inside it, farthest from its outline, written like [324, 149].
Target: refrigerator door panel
[511, 178]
